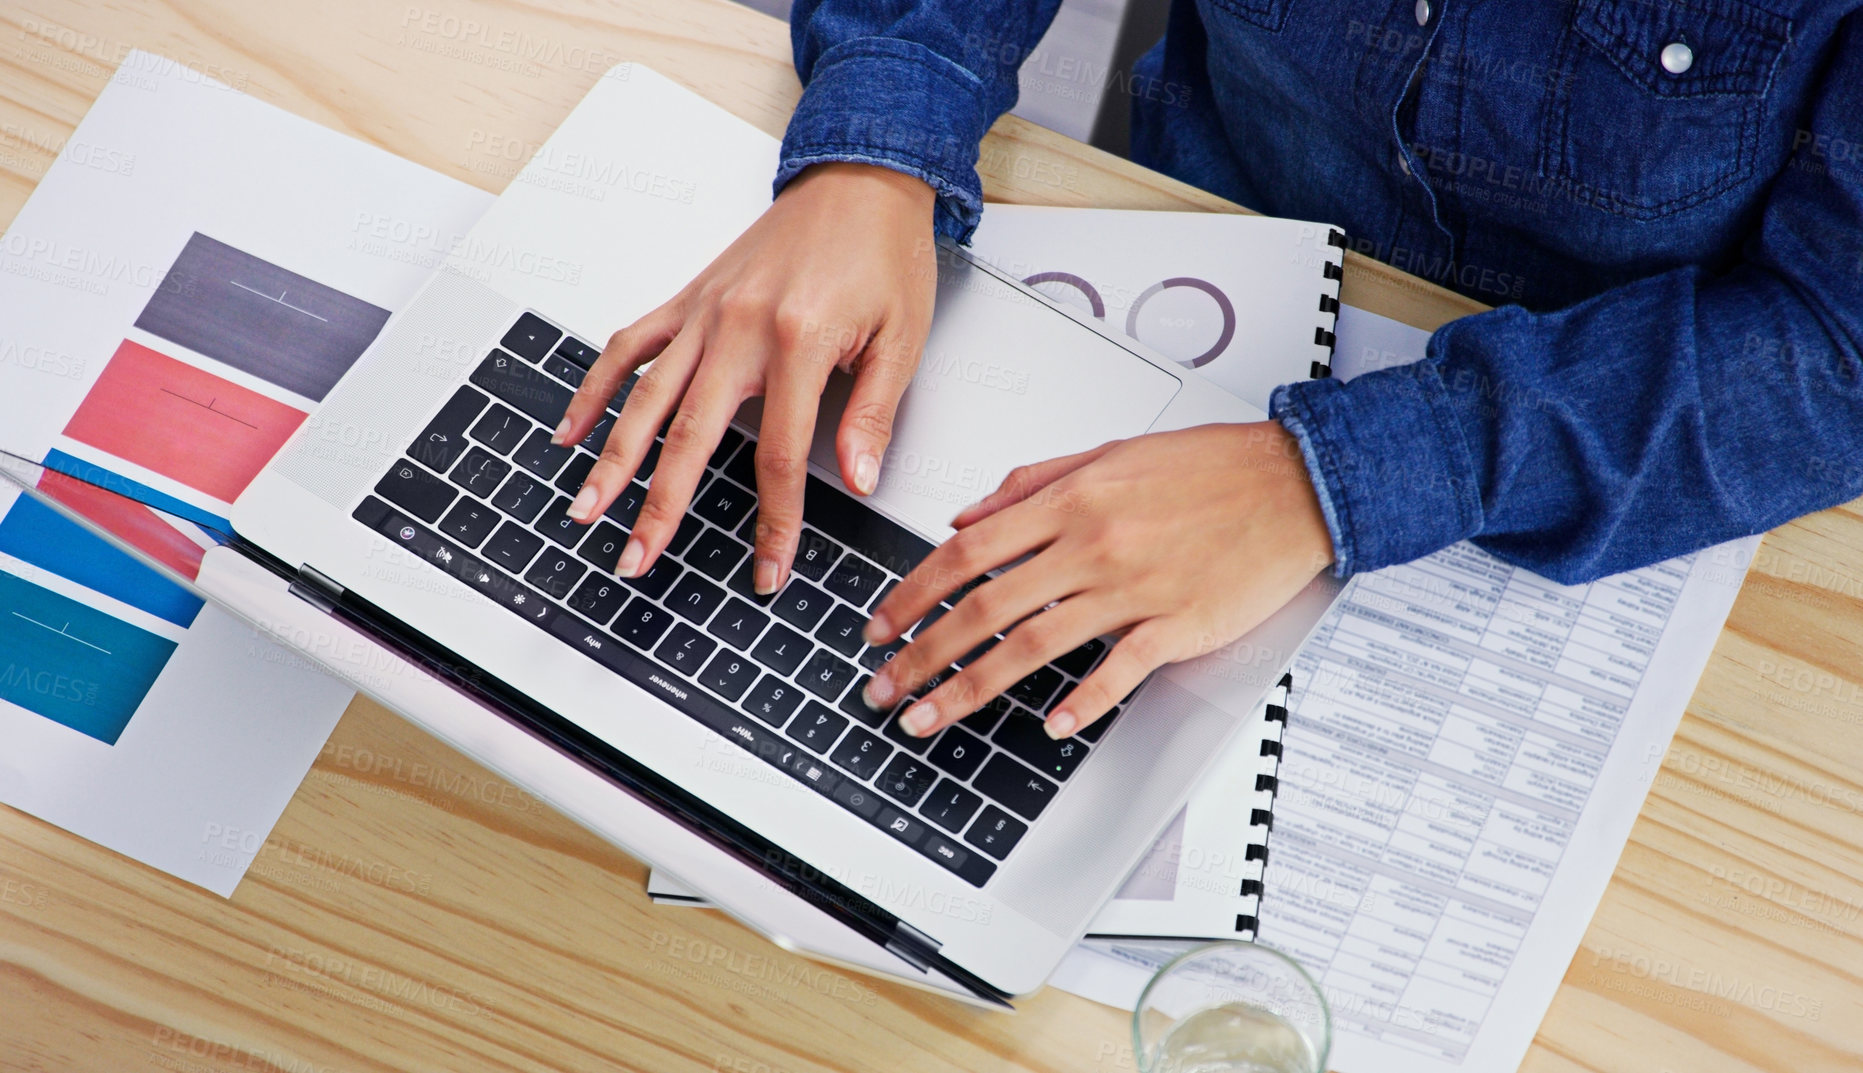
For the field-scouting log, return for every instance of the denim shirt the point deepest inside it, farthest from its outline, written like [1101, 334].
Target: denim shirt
[1662, 198]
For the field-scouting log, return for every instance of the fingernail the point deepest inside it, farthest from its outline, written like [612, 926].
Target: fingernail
[878, 693]
[765, 580]
[584, 504]
[630, 558]
[878, 631]
[866, 472]
[919, 718]
[1060, 725]
[562, 433]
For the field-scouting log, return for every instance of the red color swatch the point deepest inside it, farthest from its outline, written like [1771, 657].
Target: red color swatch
[208, 433]
[128, 521]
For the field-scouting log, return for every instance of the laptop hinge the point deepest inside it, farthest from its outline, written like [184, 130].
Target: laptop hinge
[912, 946]
[316, 590]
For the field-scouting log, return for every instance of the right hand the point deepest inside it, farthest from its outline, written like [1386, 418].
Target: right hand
[839, 272]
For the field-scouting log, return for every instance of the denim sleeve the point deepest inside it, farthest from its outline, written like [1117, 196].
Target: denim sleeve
[911, 85]
[1655, 419]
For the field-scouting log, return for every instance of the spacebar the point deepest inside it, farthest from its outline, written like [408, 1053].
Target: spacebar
[661, 682]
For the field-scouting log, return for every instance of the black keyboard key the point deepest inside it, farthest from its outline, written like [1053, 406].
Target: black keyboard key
[642, 624]
[555, 572]
[931, 617]
[815, 555]
[858, 799]
[728, 674]
[854, 705]
[722, 503]
[658, 578]
[469, 522]
[906, 779]
[440, 444]
[574, 349]
[648, 461]
[862, 753]
[685, 649]
[1096, 730]
[743, 584]
[900, 826]
[958, 753]
[1033, 691]
[801, 604]
[1021, 735]
[480, 472]
[539, 455]
[603, 546]
[841, 631]
[969, 867]
[569, 481]
[739, 625]
[826, 675]
[728, 443]
[773, 700]
[855, 525]
[512, 547]
[626, 507]
[877, 656]
[694, 598]
[855, 580]
[598, 598]
[501, 429]
[817, 727]
[521, 496]
[556, 524]
[984, 719]
[598, 436]
[996, 832]
[715, 554]
[509, 593]
[782, 649]
[524, 387]
[689, 527]
[1081, 660]
[897, 734]
[743, 467]
[1017, 788]
[563, 369]
[416, 491]
[950, 806]
[530, 338]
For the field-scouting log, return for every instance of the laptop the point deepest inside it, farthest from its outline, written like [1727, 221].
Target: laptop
[423, 503]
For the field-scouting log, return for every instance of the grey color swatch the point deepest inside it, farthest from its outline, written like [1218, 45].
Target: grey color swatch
[235, 308]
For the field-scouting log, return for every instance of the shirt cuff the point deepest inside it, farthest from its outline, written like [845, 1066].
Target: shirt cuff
[1393, 458]
[899, 105]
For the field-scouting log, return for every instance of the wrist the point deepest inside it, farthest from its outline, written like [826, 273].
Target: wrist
[867, 182]
[1275, 452]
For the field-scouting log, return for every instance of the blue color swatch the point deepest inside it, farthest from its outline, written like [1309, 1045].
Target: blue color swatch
[74, 664]
[35, 533]
[92, 473]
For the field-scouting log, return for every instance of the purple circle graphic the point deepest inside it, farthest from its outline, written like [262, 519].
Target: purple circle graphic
[1222, 303]
[1093, 296]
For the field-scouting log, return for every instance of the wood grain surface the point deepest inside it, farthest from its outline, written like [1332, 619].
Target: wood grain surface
[413, 912]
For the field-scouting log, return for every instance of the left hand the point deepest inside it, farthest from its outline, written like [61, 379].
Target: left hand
[1182, 540]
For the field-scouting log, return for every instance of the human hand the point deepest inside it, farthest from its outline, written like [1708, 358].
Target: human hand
[839, 272]
[1182, 540]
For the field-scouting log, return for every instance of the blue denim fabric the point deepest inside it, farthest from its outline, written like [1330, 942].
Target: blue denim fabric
[1675, 250]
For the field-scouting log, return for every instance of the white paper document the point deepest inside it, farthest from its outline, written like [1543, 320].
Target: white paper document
[170, 318]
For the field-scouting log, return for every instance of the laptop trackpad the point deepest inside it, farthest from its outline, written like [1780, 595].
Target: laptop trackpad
[1004, 381]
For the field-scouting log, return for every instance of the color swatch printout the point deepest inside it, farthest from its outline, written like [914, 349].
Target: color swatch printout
[235, 308]
[72, 663]
[182, 422]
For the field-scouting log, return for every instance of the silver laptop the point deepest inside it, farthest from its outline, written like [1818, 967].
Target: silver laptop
[423, 501]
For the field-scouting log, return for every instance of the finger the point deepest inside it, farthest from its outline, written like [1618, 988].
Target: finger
[992, 608]
[1025, 481]
[1051, 634]
[710, 400]
[880, 378]
[789, 405]
[966, 556]
[627, 350]
[655, 395]
[1143, 649]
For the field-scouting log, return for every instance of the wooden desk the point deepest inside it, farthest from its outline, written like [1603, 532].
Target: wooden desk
[411, 912]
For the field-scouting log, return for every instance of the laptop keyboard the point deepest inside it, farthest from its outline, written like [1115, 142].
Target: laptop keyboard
[482, 494]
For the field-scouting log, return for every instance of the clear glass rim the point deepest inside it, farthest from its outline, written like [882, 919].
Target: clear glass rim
[1140, 1060]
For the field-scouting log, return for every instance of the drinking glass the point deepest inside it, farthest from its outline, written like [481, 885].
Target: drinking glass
[1232, 1007]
